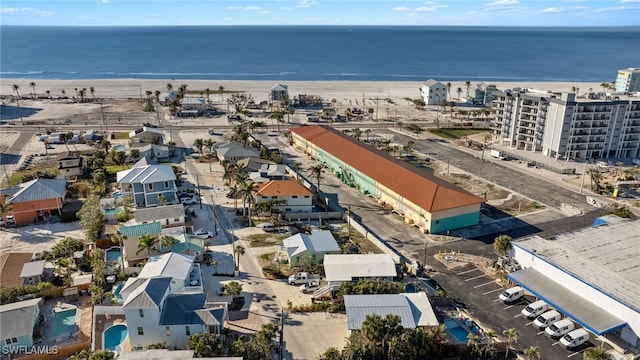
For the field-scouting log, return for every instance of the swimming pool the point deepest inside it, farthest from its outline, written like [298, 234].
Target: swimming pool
[120, 148]
[117, 290]
[64, 323]
[113, 256]
[114, 336]
[456, 330]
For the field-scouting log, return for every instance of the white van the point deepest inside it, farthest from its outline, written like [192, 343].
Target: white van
[559, 328]
[512, 294]
[534, 309]
[546, 319]
[575, 338]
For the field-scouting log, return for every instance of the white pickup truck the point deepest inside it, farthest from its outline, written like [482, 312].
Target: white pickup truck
[309, 287]
[303, 278]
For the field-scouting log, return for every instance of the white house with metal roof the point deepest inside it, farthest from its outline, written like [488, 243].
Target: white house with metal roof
[433, 92]
[279, 92]
[147, 183]
[31, 273]
[17, 323]
[166, 303]
[310, 248]
[340, 268]
[591, 275]
[168, 216]
[414, 309]
[146, 135]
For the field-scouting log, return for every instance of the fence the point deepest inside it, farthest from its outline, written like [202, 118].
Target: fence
[381, 244]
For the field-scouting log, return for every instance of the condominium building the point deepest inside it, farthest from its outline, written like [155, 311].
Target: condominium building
[562, 126]
[628, 80]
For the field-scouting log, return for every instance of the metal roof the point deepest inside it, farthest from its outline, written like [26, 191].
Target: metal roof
[180, 309]
[33, 268]
[16, 319]
[359, 306]
[421, 308]
[605, 256]
[319, 241]
[176, 266]
[432, 82]
[159, 212]
[346, 267]
[39, 189]
[146, 175]
[584, 312]
[212, 316]
[163, 354]
[149, 295]
[134, 231]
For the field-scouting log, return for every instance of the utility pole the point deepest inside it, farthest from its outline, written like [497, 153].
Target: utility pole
[349, 222]
[213, 207]
[426, 245]
[281, 352]
[519, 199]
[198, 184]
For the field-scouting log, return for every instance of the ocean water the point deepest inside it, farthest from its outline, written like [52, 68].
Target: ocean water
[319, 53]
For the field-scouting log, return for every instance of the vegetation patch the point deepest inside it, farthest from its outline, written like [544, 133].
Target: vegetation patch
[261, 240]
[455, 133]
[120, 136]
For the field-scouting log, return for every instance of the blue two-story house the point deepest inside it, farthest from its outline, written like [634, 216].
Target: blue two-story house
[146, 183]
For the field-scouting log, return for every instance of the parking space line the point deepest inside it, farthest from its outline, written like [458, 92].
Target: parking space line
[541, 332]
[575, 353]
[529, 323]
[492, 291]
[508, 307]
[475, 277]
[496, 300]
[555, 343]
[517, 315]
[485, 284]
[468, 271]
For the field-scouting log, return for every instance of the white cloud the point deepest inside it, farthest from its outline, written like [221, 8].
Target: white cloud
[305, 3]
[400, 8]
[252, 8]
[284, 8]
[502, 3]
[264, 12]
[25, 11]
[429, 8]
[106, 1]
[628, 1]
[561, 9]
[229, 19]
[619, 8]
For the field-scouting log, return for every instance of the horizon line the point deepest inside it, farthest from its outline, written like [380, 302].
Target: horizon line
[333, 25]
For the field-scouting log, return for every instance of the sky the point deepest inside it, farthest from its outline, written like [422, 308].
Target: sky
[321, 12]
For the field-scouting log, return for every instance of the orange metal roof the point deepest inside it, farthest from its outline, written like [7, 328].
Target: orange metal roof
[416, 185]
[282, 188]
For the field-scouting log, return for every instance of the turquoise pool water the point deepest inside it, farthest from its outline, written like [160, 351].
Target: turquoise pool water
[120, 147]
[64, 323]
[117, 290]
[457, 331]
[113, 255]
[114, 336]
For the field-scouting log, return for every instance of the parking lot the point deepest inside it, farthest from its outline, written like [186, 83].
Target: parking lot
[479, 293]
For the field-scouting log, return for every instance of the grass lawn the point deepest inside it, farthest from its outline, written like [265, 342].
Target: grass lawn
[14, 179]
[112, 169]
[455, 133]
[262, 240]
[121, 135]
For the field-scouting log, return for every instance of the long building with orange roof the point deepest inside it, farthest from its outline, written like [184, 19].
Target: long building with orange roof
[423, 200]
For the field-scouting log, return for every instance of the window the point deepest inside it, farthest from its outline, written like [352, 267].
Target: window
[140, 330]
[11, 341]
[141, 312]
[167, 330]
[167, 220]
[150, 186]
[187, 330]
[295, 196]
[166, 184]
[176, 219]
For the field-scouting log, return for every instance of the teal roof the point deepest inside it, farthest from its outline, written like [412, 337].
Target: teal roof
[134, 231]
[185, 246]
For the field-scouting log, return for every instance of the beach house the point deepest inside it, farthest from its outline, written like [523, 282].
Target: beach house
[433, 92]
[146, 135]
[166, 303]
[152, 151]
[133, 233]
[234, 151]
[340, 268]
[308, 249]
[36, 200]
[420, 198]
[286, 195]
[70, 163]
[279, 92]
[18, 323]
[149, 185]
[32, 272]
[414, 309]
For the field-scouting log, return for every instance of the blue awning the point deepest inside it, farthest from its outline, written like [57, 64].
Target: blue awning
[598, 222]
[581, 310]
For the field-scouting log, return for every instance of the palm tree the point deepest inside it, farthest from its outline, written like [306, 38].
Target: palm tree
[512, 338]
[246, 192]
[489, 348]
[33, 86]
[596, 353]
[502, 244]
[316, 173]
[120, 239]
[238, 250]
[473, 343]
[232, 289]
[169, 87]
[595, 176]
[221, 91]
[467, 85]
[449, 90]
[198, 144]
[92, 90]
[604, 86]
[167, 241]
[459, 91]
[16, 88]
[64, 93]
[146, 242]
[208, 143]
[135, 154]
[532, 353]
[106, 145]
[367, 133]
[48, 92]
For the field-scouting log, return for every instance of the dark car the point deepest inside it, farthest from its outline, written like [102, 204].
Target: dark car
[184, 195]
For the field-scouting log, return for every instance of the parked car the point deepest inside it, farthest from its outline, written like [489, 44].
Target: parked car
[309, 287]
[203, 234]
[184, 195]
[188, 201]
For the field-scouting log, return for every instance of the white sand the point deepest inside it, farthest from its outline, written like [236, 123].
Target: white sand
[339, 90]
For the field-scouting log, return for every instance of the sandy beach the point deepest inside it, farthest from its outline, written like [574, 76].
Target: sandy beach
[339, 90]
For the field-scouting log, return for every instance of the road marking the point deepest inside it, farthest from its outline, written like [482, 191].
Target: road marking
[575, 353]
[492, 291]
[496, 300]
[555, 343]
[517, 315]
[541, 332]
[529, 323]
[508, 307]
[485, 284]
[475, 277]
[468, 271]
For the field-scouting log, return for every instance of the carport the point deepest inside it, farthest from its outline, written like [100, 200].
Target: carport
[581, 310]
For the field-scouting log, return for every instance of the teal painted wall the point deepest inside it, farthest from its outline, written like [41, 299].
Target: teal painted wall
[454, 222]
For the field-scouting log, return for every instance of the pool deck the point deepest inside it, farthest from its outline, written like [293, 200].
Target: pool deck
[83, 321]
[104, 322]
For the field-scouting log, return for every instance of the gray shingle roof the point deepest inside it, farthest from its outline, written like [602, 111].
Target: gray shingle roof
[181, 309]
[16, 319]
[160, 212]
[149, 295]
[39, 189]
[359, 306]
[33, 268]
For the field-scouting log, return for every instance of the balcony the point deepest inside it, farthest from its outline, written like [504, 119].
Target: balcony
[193, 283]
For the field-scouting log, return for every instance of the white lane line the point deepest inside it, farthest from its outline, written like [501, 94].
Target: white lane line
[475, 277]
[496, 300]
[517, 315]
[555, 343]
[468, 271]
[492, 291]
[485, 284]
[529, 323]
[508, 307]
[575, 353]
[540, 333]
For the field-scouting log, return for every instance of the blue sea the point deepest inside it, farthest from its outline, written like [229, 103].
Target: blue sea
[369, 53]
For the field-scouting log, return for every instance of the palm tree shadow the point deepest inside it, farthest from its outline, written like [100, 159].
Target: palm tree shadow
[10, 112]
